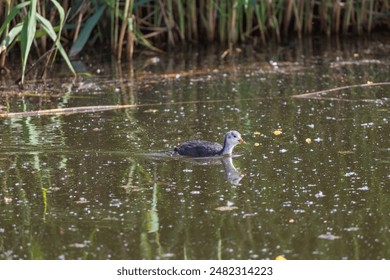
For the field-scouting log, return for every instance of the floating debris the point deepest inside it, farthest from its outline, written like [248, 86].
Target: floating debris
[350, 174]
[151, 111]
[346, 152]
[131, 188]
[82, 200]
[351, 229]
[329, 236]
[78, 245]
[226, 208]
[319, 194]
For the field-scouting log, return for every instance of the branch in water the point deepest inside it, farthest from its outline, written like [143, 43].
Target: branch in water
[319, 94]
[90, 109]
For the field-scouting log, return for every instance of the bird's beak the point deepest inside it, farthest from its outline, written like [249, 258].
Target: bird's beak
[242, 141]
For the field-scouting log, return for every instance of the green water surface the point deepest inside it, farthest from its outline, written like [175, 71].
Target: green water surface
[100, 185]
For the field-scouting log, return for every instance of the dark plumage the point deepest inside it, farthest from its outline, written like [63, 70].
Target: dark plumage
[197, 148]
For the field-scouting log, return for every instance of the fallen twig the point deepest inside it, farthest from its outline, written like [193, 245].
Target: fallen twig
[65, 111]
[91, 109]
[318, 94]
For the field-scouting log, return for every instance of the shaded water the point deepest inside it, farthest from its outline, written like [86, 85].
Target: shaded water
[99, 185]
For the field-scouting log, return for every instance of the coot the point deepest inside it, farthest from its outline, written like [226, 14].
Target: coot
[197, 148]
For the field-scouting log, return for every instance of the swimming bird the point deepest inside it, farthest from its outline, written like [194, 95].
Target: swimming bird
[197, 148]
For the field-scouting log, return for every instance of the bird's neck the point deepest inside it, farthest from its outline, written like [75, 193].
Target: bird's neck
[227, 149]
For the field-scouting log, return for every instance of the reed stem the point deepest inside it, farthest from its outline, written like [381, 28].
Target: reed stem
[172, 22]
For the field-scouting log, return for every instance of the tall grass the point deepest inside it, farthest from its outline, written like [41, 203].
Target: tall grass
[26, 32]
[122, 26]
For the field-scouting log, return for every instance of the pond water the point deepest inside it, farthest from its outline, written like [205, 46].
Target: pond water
[311, 182]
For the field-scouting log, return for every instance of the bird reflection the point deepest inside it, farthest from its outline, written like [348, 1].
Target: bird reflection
[231, 173]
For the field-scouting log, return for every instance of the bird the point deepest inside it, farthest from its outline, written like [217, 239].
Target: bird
[199, 148]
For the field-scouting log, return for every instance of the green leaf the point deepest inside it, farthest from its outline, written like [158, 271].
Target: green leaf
[60, 11]
[46, 25]
[141, 3]
[27, 34]
[62, 15]
[11, 36]
[86, 32]
[62, 21]
[14, 11]
[144, 41]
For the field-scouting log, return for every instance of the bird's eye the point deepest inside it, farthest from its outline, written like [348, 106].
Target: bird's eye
[235, 136]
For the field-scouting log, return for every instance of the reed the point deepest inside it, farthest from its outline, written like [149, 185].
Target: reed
[124, 25]
[25, 31]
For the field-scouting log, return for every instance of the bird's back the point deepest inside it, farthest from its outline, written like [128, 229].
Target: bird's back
[196, 148]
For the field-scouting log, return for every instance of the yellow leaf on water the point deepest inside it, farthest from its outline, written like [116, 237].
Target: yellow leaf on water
[257, 144]
[308, 140]
[280, 258]
[369, 82]
[257, 133]
[277, 132]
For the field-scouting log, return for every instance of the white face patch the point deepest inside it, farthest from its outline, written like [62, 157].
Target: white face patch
[234, 136]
